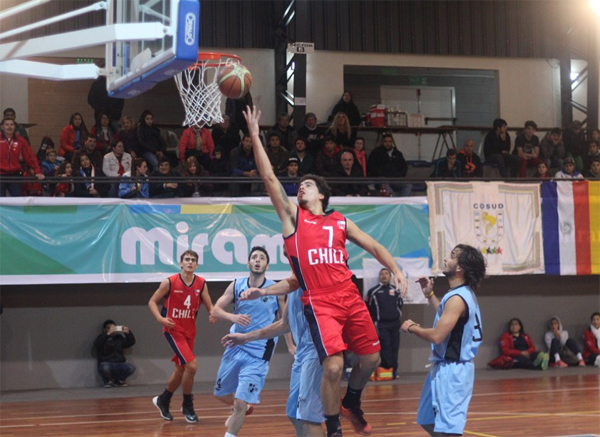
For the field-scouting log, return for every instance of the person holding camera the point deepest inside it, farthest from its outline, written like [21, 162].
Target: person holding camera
[109, 345]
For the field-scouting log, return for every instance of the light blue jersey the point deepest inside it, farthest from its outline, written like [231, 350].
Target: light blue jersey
[464, 340]
[305, 348]
[262, 313]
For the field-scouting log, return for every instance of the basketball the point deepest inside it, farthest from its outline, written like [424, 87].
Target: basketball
[234, 81]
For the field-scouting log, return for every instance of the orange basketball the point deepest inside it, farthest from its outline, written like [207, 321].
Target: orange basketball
[234, 81]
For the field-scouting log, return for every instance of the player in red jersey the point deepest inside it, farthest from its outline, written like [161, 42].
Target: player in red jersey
[183, 294]
[316, 245]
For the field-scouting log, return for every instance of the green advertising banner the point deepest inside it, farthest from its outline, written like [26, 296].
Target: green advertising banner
[45, 241]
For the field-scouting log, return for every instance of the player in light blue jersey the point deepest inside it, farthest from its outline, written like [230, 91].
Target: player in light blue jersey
[455, 338]
[243, 370]
[304, 407]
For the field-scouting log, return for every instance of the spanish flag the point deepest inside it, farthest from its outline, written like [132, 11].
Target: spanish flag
[571, 227]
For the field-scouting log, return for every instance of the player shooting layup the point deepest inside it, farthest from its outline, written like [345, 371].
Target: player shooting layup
[316, 246]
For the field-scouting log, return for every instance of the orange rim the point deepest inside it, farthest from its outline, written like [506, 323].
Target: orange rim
[219, 58]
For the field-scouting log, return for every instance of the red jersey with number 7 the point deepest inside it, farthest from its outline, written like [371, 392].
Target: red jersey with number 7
[182, 303]
[317, 250]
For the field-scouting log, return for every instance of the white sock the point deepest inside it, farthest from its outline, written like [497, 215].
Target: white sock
[579, 356]
[597, 362]
[229, 435]
[556, 358]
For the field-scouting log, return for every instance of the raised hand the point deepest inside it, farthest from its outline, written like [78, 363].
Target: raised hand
[252, 115]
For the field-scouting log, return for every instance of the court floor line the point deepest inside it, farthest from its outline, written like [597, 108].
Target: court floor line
[478, 434]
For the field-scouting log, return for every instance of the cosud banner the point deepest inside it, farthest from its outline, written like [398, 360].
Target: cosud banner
[45, 240]
[502, 220]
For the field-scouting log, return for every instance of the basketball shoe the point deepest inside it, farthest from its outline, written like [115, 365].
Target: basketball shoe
[358, 422]
[162, 407]
[188, 411]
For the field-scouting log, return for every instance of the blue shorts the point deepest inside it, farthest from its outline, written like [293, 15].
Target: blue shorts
[304, 402]
[445, 397]
[242, 374]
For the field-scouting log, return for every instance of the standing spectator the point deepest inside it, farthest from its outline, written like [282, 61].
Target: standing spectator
[90, 187]
[89, 148]
[100, 102]
[219, 167]
[527, 148]
[128, 135]
[542, 171]
[287, 134]
[234, 109]
[496, 149]
[140, 188]
[561, 348]
[64, 189]
[10, 113]
[115, 164]
[594, 172]
[385, 305]
[593, 153]
[112, 365]
[386, 161]
[574, 139]
[306, 162]
[50, 165]
[470, 163]
[347, 106]
[312, 133]
[328, 161]
[591, 341]
[163, 189]
[73, 136]
[350, 171]
[568, 171]
[278, 155]
[13, 149]
[342, 131]
[448, 167]
[242, 164]
[196, 141]
[291, 188]
[106, 135]
[517, 344]
[553, 149]
[360, 154]
[226, 135]
[151, 143]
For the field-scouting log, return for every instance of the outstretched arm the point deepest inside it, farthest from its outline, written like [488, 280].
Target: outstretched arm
[380, 253]
[286, 209]
[281, 288]
[219, 313]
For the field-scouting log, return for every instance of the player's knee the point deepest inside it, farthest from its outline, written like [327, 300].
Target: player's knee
[239, 406]
[370, 362]
[191, 367]
[333, 370]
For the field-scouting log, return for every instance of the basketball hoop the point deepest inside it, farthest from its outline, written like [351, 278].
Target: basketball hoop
[199, 91]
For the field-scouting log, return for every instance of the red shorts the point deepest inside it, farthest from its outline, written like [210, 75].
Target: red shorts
[339, 320]
[182, 345]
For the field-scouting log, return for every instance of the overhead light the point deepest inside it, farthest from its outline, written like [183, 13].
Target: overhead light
[574, 75]
[595, 4]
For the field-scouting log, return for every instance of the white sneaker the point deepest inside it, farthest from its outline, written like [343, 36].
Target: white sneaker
[597, 362]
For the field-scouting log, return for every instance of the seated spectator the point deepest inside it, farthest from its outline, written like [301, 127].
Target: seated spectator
[562, 349]
[313, 134]
[197, 142]
[594, 172]
[242, 164]
[342, 131]
[568, 171]
[527, 148]
[90, 188]
[448, 167]
[13, 150]
[129, 189]
[105, 134]
[496, 149]
[574, 139]
[50, 165]
[593, 153]
[386, 161]
[73, 136]
[64, 189]
[226, 135]
[347, 106]
[306, 162]
[517, 344]
[287, 134]
[219, 167]
[349, 170]
[542, 171]
[470, 163]
[595, 135]
[32, 189]
[591, 342]
[328, 161]
[112, 365]
[291, 188]
[152, 146]
[89, 148]
[163, 190]
[360, 154]
[191, 169]
[128, 134]
[278, 155]
[115, 164]
[553, 149]
[10, 113]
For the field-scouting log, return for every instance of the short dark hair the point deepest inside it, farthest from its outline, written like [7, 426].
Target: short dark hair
[522, 331]
[473, 264]
[590, 142]
[387, 135]
[359, 138]
[322, 186]
[530, 123]
[163, 160]
[451, 152]
[7, 118]
[556, 131]
[189, 252]
[9, 110]
[246, 136]
[330, 138]
[498, 123]
[260, 249]
[595, 314]
[273, 134]
[106, 323]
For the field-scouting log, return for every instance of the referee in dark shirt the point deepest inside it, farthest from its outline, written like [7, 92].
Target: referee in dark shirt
[385, 305]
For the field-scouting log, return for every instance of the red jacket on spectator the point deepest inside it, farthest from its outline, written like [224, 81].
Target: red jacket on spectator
[590, 344]
[13, 151]
[507, 344]
[188, 142]
[361, 158]
[67, 139]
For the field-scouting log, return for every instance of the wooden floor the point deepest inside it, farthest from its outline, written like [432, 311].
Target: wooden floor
[554, 405]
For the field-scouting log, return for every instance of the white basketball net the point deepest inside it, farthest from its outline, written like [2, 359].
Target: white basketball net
[200, 93]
